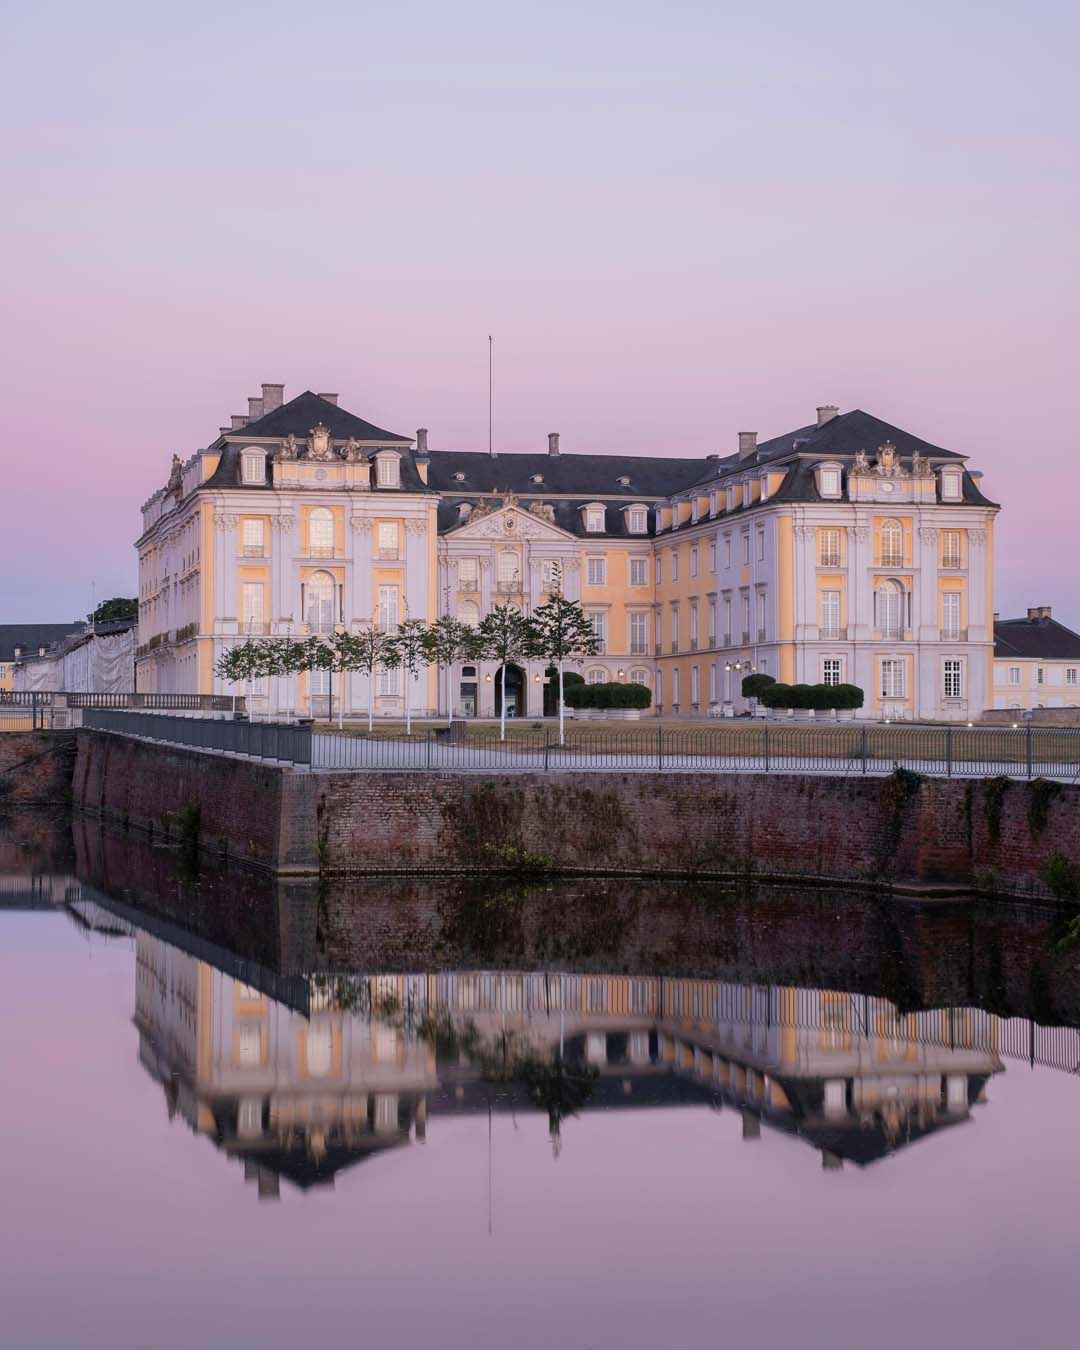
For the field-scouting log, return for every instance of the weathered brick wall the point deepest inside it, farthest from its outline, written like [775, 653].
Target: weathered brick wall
[992, 834]
[35, 766]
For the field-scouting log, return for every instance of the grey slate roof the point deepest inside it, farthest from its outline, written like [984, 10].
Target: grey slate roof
[589, 476]
[31, 636]
[1040, 639]
[301, 413]
[568, 515]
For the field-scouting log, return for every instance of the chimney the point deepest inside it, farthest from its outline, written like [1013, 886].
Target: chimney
[421, 440]
[238, 420]
[1038, 613]
[826, 413]
[997, 616]
[553, 442]
[747, 444]
[18, 651]
[255, 409]
[273, 397]
[330, 398]
[224, 431]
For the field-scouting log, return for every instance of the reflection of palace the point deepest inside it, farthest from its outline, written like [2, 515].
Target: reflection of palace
[303, 1093]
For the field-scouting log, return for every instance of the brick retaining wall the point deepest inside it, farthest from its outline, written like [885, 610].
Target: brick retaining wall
[861, 828]
[36, 766]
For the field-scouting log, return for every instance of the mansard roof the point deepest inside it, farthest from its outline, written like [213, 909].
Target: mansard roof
[1041, 639]
[301, 413]
[31, 636]
[585, 476]
[566, 515]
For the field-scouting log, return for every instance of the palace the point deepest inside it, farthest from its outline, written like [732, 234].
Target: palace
[847, 550]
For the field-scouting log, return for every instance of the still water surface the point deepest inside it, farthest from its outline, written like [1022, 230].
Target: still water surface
[408, 1113]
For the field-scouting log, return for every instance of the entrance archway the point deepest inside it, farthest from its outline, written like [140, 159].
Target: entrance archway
[514, 691]
[551, 692]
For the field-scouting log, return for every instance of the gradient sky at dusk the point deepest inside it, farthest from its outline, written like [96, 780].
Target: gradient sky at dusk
[679, 221]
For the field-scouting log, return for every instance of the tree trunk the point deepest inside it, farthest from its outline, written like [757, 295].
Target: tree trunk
[370, 699]
[502, 702]
[408, 702]
[341, 708]
[562, 722]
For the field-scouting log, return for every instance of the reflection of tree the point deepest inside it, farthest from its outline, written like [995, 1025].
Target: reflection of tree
[558, 1088]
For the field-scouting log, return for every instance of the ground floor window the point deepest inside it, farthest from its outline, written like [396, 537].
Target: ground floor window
[596, 676]
[954, 679]
[319, 682]
[389, 683]
[832, 670]
[893, 678]
[640, 677]
[695, 685]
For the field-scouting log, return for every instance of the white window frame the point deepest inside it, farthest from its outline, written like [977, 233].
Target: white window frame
[1071, 676]
[892, 534]
[253, 536]
[468, 612]
[637, 520]
[252, 604]
[952, 677]
[253, 466]
[830, 613]
[595, 519]
[596, 569]
[830, 482]
[387, 470]
[468, 573]
[639, 675]
[598, 619]
[952, 485]
[321, 532]
[639, 571]
[893, 670]
[828, 555]
[389, 539]
[693, 560]
[638, 628]
[951, 615]
[389, 607]
[1013, 675]
[832, 670]
[674, 564]
[952, 549]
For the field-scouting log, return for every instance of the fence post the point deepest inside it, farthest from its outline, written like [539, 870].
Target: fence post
[547, 747]
[864, 748]
[427, 753]
[1028, 748]
[948, 752]
[766, 730]
[660, 748]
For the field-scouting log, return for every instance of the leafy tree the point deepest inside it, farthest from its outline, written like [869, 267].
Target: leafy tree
[506, 636]
[561, 632]
[449, 641]
[367, 649]
[242, 663]
[117, 610]
[753, 685]
[410, 646]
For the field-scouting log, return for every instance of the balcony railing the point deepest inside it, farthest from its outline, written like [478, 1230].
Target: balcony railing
[321, 551]
[674, 646]
[746, 636]
[252, 551]
[388, 554]
[833, 633]
[508, 586]
[639, 649]
[890, 560]
[254, 627]
[693, 644]
[952, 634]
[761, 634]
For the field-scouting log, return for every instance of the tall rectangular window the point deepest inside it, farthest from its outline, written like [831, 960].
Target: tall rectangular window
[830, 614]
[467, 574]
[252, 598]
[252, 537]
[659, 568]
[761, 609]
[639, 634]
[1070, 675]
[1014, 674]
[674, 564]
[950, 616]
[388, 471]
[693, 561]
[951, 553]
[639, 571]
[746, 546]
[321, 532]
[746, 616]
[712, 621]
[695, 685]
[594, 519]
[727, 620]
[389, 682]
[674, 628]
[597, 570]
[954, 679]
[727, 550]
[598, 619]
[508, 567]
[893, 678]
[831, 671]
[550, 574]
[712, 555]
[829, 548]
[637, 520]
[388, 539]
[675, 682]
[388, 608]
[761, 545]
[693, 626]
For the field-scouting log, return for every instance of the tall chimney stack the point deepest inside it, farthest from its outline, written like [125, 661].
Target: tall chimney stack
[1038, 612]
[826, 413]
[747, 444]
[421, 440]
[255, 409]
[273, 397]
[238, 420]
[553, 442]
[330, 398]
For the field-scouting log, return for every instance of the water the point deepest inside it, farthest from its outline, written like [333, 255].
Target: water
[246, 1114]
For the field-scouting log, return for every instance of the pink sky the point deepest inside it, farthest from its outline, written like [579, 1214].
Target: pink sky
[679, 223]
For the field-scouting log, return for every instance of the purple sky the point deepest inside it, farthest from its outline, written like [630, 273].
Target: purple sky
[679, 222]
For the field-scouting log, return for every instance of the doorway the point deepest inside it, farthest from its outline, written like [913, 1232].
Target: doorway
[514, 691]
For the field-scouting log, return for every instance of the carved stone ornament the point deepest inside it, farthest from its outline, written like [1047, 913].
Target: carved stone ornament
[544, 510]
[977, 537]
[862, 464]
[502, 523]
[888, 466]
[920, 466]
[353, 451]
[279, 524]
[289, 448]
[416, 527]
[176, 478]
[319, 442]
[361, 524]
[862, 534]
[482, 508]
[927, 534]
[224, 520]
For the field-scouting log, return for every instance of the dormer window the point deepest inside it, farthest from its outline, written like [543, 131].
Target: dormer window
[623, 481]
[253, 465]
[829, 481]
[387, 470]
[594, 519]
[637, 520]
[537, 478]
[459, 478]
[952, 485]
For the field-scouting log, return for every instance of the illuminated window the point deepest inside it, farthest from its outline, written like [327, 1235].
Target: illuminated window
[950, 548]
[467, 573]
[252, 537]
[954, 679]
[596, 572]
[892, 544]
[388, 539]
[639, 571]
[388, 471]
[321, 532]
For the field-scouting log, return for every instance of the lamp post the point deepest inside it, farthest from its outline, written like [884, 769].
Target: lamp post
[740, 667]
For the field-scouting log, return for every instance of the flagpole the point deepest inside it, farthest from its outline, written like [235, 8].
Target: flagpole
[491, 358]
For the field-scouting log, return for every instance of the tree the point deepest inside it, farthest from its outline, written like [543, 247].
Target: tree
[753, 685]
[242, 663]
[562, 632]
[368, 649]
[449, 641]
[410, 645]
[117, 610]
[505, 635]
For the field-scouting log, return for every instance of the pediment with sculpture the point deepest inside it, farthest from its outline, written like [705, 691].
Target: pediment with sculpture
[507, 519]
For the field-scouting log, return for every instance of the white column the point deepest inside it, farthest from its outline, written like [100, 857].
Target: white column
[362, 606]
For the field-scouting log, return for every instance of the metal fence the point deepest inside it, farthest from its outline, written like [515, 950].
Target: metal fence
[841, 748]
[260, 740]
[48, 698]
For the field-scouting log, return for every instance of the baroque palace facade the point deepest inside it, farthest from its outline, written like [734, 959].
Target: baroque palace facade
[847, 550]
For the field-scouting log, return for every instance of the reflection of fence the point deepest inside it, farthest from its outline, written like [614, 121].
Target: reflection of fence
[690, 1008]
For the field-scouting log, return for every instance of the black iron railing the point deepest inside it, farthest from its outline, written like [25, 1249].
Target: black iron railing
[261, 740]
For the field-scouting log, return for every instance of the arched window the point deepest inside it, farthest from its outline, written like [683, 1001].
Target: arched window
[639, 676]
[890, 599]
[468, 611]
[892, 544]
[596, 676]
[321, 532]
[319, 602]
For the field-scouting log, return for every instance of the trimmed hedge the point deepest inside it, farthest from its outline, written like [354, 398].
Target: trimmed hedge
[613, 695]
[753, 686]
[820, 697]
